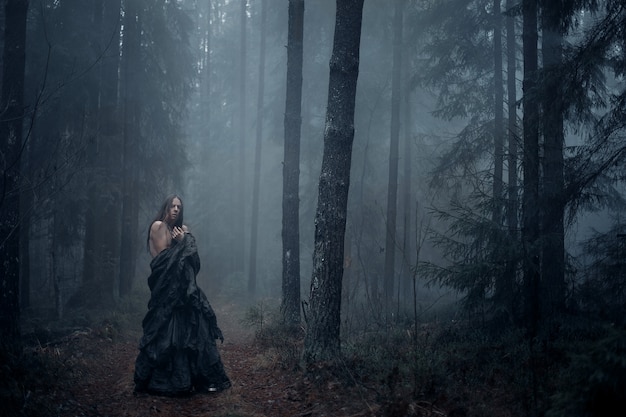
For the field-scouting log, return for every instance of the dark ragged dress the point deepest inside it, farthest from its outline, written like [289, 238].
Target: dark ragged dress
[178, 353]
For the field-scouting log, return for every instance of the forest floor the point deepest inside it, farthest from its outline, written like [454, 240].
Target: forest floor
[92, 372]
[86, 370]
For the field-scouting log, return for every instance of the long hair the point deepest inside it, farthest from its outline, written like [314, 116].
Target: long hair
[162, 214]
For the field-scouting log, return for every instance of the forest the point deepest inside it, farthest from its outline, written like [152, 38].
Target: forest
[401, 208]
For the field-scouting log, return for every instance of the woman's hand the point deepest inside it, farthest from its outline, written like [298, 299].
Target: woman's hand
[178, 233]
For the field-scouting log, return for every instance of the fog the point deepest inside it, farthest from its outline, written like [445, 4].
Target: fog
[181, 113]
[470, 261]
[216, 174]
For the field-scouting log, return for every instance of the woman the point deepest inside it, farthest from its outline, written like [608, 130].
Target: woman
[178, 354]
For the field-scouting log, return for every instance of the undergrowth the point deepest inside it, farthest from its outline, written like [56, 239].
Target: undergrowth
[408, 370]
[466, 368]
[25, 373]
[594, 381]
[23, 376]
[281, 344]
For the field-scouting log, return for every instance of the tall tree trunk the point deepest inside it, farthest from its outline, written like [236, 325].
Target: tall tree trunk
[26, 206]
[252, 278]
[498, 145]
[131, 136]
[91, 258]
[110, 136]
[392, 188]
[57, 248]
[11, 119]
[406, 287]
[322, 337]
[207, 67]
[239, 222]
[530, 203]
[27, 195]
[217, 277]
[553, 233]
[498, 131]
[290, 306]
[513, 136]
[102, 238]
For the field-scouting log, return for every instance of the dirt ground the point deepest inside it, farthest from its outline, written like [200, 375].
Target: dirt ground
[95, 378]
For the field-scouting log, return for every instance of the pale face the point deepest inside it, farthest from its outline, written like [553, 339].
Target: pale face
[173, 211]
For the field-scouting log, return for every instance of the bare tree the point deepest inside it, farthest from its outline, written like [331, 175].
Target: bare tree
[405, 285]
[102, 239]
[11, 117]
[130, 72]
[512, 208]
[240, 170]
[498, 140]
[322, 337]
[498, 144]
[392, 190]
[252, 278]
[553, 195]
[290, 306]
[530, 203]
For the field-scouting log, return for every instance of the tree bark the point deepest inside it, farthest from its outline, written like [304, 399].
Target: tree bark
[407, 224]
[240, 167]
[553, 233]
[11, 119]
[91, 264]
[530, 202]
[513, 136]
[290, 306]
[102, 246]
[131, 135]
[498, 131]
[110, 136]
[256, 177]
[26, 199]
[498, 145]
[322, 341]
[392, 187]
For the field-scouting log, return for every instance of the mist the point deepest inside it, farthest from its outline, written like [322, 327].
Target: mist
[485, 191]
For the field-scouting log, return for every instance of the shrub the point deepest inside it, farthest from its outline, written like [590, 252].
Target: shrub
[594, 384]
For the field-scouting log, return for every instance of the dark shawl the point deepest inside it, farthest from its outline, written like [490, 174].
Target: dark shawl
[177, 351]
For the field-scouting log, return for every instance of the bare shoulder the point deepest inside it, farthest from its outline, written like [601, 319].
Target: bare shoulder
[157, 226]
